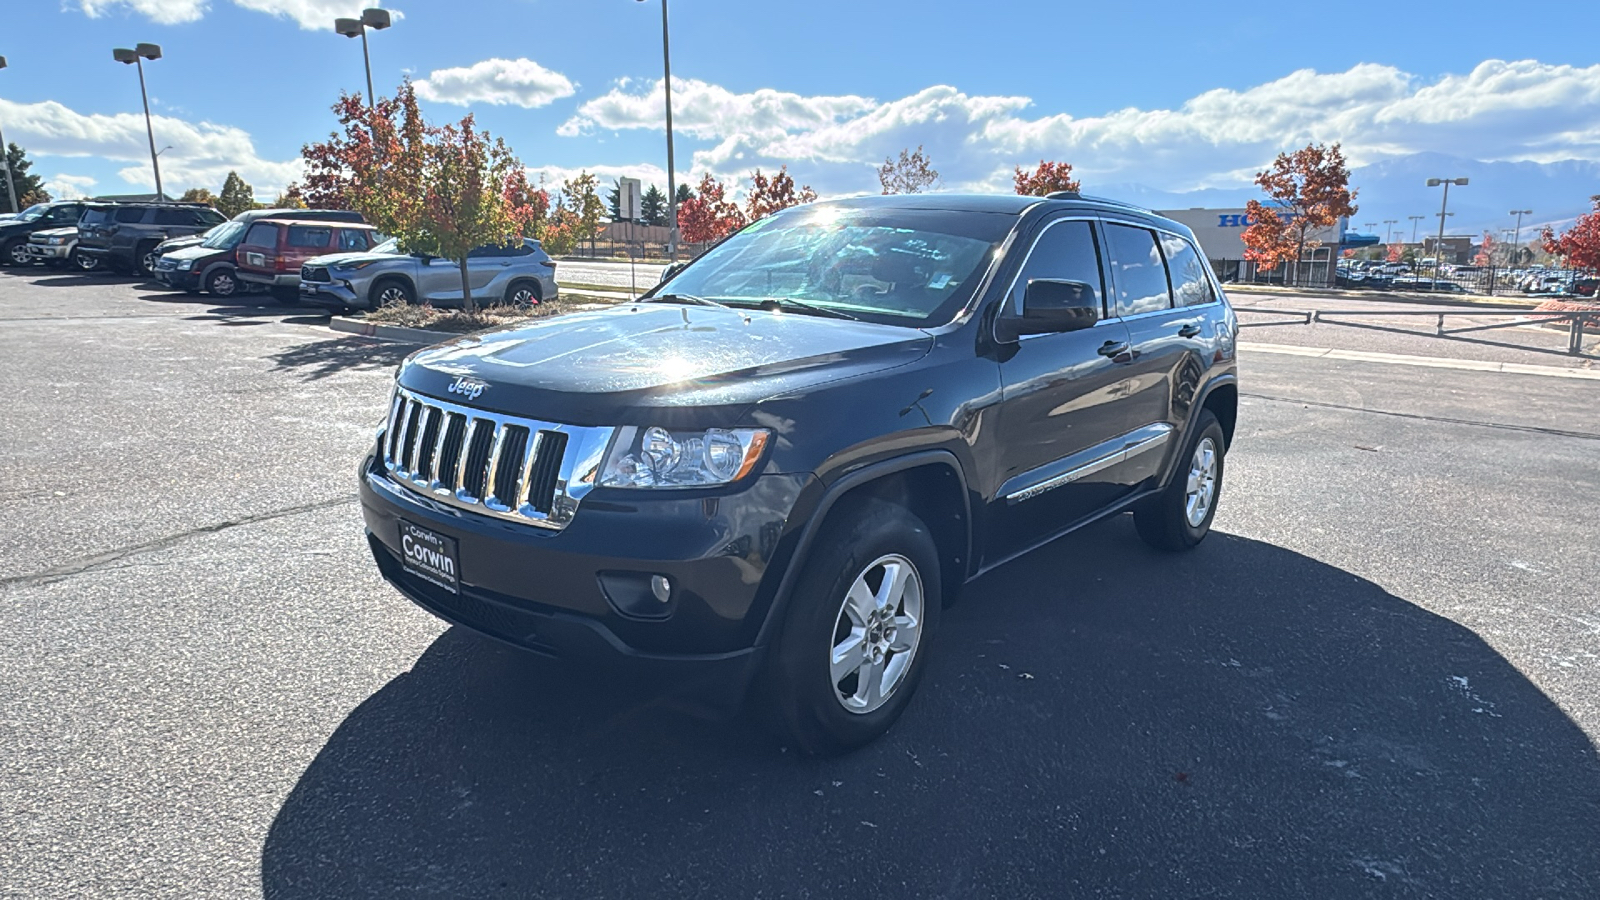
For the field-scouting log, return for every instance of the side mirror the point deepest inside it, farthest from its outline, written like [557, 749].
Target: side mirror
[1052, 306]
[671, 272]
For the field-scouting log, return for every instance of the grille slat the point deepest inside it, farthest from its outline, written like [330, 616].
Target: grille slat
[489, 463]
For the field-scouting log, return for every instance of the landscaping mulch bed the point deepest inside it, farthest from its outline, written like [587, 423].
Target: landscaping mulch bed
[458, 321]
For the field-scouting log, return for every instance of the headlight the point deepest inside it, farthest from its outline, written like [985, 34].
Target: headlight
[185, 265]
[58, 241]
[656, 457]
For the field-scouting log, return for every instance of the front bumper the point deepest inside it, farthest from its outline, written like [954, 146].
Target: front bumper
[179, 279]
[325, 293]
[566, 594]
[46, 252]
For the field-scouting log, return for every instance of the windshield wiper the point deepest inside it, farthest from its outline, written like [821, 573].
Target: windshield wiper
[782, 302]
[685, 298]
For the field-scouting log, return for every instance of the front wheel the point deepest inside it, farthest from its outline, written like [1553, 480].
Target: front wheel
[222, 283]
[81, 261]
[522, 295]
[855, 638]
[15, 252]
[145, 259]
[1180, 516]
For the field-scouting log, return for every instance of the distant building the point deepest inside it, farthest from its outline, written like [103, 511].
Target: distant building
[1458, 248]
[1220, 231]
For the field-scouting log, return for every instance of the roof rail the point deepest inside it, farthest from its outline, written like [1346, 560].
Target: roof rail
[1074, 195]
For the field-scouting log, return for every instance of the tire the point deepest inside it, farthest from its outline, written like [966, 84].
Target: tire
[222, 283]
[811, 708]
[1180, 516]
[522, 294]
[144, 259]
[388, 292]
[15, 252]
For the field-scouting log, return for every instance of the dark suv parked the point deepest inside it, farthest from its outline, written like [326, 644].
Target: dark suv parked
[14, 232]
[778, 467]
[124, 235]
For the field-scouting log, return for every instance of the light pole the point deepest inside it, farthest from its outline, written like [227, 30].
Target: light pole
[1388, 230]
[377, 19]
[5, 160]
[136, 58]
[1517, 234]
[1414, 221]
[1438, 250]
[672, 184]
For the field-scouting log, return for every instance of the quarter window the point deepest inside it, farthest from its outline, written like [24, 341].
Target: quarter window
[309, 236]
[174, 217]
[1067, 251]
[1137, 270]
[1190, 286]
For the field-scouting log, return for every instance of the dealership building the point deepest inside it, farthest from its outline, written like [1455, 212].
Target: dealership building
[1220, 233]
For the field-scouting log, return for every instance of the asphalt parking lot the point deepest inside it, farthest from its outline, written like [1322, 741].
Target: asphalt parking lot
[1379, 677]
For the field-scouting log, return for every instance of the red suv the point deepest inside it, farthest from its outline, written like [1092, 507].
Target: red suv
[273, 250]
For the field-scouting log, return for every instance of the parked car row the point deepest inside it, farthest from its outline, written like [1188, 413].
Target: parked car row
[329, 258]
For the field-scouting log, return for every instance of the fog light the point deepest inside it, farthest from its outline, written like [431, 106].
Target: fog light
[661, 587]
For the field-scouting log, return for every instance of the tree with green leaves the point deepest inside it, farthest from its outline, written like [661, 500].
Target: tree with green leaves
[199, 195]
[236, 196]
[30, 188]
[685, 194]
[614, 200]
[580, 196]
[653, 206]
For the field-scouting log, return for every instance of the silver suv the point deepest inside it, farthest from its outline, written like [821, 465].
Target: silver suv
[519, 275]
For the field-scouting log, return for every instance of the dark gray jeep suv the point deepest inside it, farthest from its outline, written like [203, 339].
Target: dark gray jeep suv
[762, 482]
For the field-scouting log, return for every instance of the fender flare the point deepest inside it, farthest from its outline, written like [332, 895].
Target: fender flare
[830, 497]
[205, 274]
[1201, 396]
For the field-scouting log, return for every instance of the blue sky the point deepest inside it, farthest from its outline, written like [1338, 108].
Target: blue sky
[1172, 96]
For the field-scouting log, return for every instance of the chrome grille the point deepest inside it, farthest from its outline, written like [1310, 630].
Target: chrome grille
[315, 273]
[522, 470]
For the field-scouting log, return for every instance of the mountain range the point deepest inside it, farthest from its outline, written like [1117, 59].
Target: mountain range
[1557, 192]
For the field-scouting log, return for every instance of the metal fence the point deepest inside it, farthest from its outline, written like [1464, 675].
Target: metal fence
[1575, 322]
[653, 251]
[1438, 279]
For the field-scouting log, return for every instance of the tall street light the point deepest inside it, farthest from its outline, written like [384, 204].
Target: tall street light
[672, 184]
[1516, 237]
[1388, 230]
[136, 57]
[376, 19]
[5, 160]
[1438, 250]
[1414, 221]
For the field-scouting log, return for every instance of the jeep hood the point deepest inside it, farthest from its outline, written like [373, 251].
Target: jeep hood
[643, 361]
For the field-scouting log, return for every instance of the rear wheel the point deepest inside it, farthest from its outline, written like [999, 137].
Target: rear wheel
[855, 636]
[522, 294]
[1180, 516]
[144, 259]
[222, 283]
[15, 252]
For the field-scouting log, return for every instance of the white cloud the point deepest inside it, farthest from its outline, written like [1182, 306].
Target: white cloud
[69, 187]
[520, 82]
[1501, 110]
[706, 110]
[312, 15]
[554, 175]
[202, 153]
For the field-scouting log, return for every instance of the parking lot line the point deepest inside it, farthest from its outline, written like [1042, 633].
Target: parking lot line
[1432, 362]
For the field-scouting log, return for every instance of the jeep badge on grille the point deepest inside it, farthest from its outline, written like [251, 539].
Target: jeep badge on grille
[467, 387]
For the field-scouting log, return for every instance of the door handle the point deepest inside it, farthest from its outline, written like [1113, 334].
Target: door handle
[1189, 331]
[1113, 348]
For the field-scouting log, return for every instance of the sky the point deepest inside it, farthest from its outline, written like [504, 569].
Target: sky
[1171, 96]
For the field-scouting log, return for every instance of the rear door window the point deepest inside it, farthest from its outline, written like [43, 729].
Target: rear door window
[316, 236]
[174, 217]
[1137, 270]
[129, 216]
[1190, 285]
[262, 234]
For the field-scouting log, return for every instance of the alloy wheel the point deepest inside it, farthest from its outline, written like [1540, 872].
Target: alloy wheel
[391, 295]
[19, 254]
[223, 285]
[876, 634]
[1201, 489]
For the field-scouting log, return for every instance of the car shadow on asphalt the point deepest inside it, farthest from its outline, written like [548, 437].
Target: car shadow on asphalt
[319, 359]
[1098, 718]
[89, 278]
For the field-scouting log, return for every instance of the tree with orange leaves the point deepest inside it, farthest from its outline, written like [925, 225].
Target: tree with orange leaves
[709, 215]
[768, 195]
[1578, 246]
[1047, 179]
[1309, 190]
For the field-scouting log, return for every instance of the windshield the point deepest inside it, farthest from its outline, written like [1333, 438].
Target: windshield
[223, 237]
[392, 245]
[33, 212]
[892, 266]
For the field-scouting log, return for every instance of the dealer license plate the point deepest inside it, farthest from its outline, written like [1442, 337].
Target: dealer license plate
[430, 556]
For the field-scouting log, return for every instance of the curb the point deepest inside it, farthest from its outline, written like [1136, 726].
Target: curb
[391, 332]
